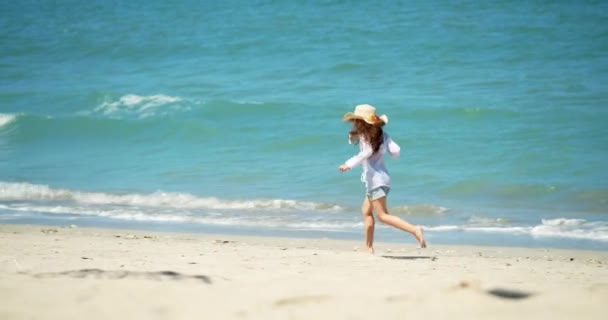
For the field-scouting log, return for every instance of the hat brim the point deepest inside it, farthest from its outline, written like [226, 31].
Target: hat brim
[351, 116]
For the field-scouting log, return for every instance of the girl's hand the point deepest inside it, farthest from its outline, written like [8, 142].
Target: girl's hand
[344, 168]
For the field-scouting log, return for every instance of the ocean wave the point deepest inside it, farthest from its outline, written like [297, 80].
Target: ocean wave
[268, 220]
[28, 191]
[142, 106]
[485, 221]
[572, 228]
[107, 212]
[555, 228]
[419, 210]
[6, 119]
[442, 228]
[185, 208]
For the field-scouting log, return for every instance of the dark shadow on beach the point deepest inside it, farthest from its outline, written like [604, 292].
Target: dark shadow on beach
[408, 257]
[509, 294]
[121, 274]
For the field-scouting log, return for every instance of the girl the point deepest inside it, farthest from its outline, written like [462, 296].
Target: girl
[373, 142]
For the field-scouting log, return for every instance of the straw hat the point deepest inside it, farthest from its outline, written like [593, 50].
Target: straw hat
[366, 113]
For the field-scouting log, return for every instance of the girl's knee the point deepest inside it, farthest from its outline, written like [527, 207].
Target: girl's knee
[369, 224]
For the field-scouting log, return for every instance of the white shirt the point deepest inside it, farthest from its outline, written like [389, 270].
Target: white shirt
[374, 173]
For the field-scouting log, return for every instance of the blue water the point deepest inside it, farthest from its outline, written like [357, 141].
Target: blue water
[226, 116]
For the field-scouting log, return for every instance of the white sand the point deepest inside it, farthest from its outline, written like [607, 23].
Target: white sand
[81, 273]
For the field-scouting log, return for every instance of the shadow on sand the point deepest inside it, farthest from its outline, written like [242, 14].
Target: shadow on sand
[409, 257]
[121, 274]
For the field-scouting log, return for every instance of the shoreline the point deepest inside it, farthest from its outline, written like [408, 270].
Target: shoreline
[62, 272]
[384, 234]
[342, 244]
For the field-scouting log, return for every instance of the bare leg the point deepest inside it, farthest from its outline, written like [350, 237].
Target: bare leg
[368, 221]
[379, 206]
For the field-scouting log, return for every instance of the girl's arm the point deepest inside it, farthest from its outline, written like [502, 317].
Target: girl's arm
[392, 147]
[365, 152]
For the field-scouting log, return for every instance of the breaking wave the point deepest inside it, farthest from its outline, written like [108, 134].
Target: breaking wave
[142, 106]
[28, 191]
[556, 228]
[6, 119]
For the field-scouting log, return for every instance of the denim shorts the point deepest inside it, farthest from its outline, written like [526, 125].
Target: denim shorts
[378, 193]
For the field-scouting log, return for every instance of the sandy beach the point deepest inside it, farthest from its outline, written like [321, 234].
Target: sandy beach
[51, 272]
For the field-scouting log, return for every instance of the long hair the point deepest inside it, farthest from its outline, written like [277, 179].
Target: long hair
[371, 133]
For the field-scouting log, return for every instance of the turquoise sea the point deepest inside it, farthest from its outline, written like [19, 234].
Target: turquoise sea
[225, 116]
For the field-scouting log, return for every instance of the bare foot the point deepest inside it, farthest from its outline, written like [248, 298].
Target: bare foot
[420, 237]
[370, 250]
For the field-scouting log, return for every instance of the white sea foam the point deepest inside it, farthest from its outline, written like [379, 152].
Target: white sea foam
[141, 106]
[146, 215]
[572, 228]
[27, 191]
[270, 213]
[442, 228]
[114, 213]
[248, 102]
[6, 119]
[557, 228]
[485, 221]
[509, 230]
[419, 210]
